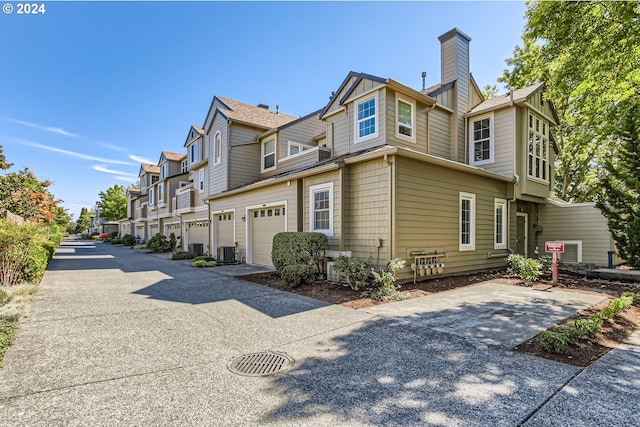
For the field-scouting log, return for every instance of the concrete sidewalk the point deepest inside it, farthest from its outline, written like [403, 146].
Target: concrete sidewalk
[117, 337]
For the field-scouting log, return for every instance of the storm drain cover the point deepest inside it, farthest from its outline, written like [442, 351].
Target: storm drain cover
[260, 364]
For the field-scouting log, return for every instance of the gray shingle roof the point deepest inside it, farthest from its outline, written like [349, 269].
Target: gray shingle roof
[254, 115]
[504, 100]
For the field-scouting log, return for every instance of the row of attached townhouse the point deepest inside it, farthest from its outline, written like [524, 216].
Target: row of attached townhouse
[437, 175]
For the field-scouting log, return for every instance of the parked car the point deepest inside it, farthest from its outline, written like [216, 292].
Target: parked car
[104, 236]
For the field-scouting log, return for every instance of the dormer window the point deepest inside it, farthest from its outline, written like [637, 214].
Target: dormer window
[163, 171]
[405, 119]
[184, 167]
[366, 119]
[481, 140]
[268, 154]
[193, 153]
[154, 179]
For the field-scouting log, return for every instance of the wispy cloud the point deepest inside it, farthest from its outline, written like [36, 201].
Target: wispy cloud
[113, 147]
[124, 175]
[70, 153]
[51, 129]
[141, 159]
[125, 179]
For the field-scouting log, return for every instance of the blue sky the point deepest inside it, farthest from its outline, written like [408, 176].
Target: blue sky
[91, 89]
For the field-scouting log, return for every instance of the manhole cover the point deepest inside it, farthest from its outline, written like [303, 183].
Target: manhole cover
[260, 364]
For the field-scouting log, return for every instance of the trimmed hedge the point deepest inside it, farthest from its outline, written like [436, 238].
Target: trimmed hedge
[299, 256]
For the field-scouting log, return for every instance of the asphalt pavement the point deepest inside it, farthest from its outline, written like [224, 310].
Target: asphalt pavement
[120, 337]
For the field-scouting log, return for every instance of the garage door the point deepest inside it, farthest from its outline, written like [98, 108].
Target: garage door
[153, 230]
[224, 229]
[173, 228]
[198, 232]
[266, 223]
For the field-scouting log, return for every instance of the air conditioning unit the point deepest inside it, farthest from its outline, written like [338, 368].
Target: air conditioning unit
[226, 255]
[332, 274]
[196, 248]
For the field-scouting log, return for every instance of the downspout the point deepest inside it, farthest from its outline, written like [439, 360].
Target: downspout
[515, 173]
[392, 225]
[429, 110]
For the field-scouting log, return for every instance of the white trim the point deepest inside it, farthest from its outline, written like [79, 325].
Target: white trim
[578, 243]
[301, 153]
[492, 150]
[411, 138]
[312, 190]
[217, 147]
[263, 156]
[526, 230]
[214, 229]
[303, 148]
[505, 215]
[201, 180]
[545, 147]
[471, 246]
[334, 112]
[161, 194]
[249, 223]
[376, 118]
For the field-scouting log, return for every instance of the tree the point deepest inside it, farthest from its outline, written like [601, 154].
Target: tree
[588, 55]
[489, 91]
[113, 203]
[3, 161]
[84, 220]
[23, 194]
[619, 200]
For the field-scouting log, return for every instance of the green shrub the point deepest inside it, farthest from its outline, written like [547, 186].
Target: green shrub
[297, 274]
[113, 235]
[204, 258]
[528, 269]
[141, 246]
[172, 242]
[385, 284]
[128, 240]
[355, 270]
[115, 241]
[159, 243]
[183, 255]
[204, 263]
[546, 262]
[7, 331]
[298, 257]
[24, 252]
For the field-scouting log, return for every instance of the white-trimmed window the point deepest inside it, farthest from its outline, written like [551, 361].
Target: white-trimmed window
[163, 170]
[405, 119]
[481, 140]
[366, 118]
[154, 179]
[297, 148]
[268, 154]
[538, 157]
[321, 208]
[152, 196]
[467, 238]
[217, 147]
[194, 156]
[201, 180]
[500, 224]
[161, 193]
[184, 166]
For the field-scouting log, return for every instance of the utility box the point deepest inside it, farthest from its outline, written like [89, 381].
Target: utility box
[196, 248]
[226, 255]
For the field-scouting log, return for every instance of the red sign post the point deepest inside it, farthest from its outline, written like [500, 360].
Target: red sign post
[555, 248]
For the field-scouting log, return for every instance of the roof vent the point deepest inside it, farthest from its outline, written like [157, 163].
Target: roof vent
[265, 106]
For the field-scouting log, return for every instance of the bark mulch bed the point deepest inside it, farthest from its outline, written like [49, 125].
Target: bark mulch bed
[583, 353]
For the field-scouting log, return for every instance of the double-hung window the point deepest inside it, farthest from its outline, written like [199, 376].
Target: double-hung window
[538, 148]
[268, 155]
[163, 171]
[193, 153]
[184, 166]
[321, 208]
[161, 193]
[467, 232]
[154, 179]
[481, 140]
[201, 180]
[405, 113]
[366, 119]
[152, 196]
[500, 224]
[217, 147]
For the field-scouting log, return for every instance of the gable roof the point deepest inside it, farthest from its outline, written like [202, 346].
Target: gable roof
[249, 114]
[519, 95]
[149, 168]
[198, 130]
[174, 157]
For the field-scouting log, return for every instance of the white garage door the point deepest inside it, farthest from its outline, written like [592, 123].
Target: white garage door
[224, 229]
[173, 228]
[198, 232]
[266, 223]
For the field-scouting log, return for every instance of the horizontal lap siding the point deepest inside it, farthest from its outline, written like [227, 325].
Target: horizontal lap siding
[244, 159]
[503, 128]
[427, 218]
[419, 127]
[439, 125]
[369, 210]
[239, 202]
[325, 178]
[578, 222]
[217, 172]
[341, 134]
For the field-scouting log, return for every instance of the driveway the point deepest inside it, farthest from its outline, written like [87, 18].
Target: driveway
[118, 337]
